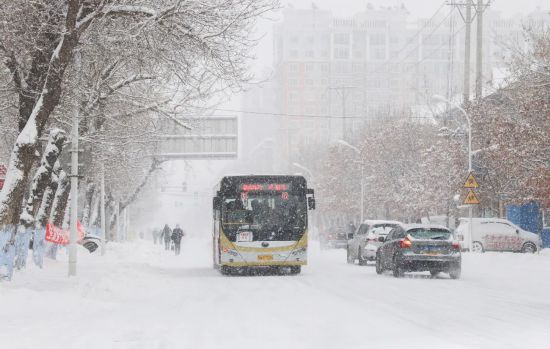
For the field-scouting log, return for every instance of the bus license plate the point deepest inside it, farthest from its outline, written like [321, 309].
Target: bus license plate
[244, 236]
[265, 257]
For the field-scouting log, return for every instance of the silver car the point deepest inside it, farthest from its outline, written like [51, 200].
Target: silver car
[364, 243]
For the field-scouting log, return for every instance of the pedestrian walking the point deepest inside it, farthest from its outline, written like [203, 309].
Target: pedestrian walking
[177, 235]
[167, 236]
[156, 235]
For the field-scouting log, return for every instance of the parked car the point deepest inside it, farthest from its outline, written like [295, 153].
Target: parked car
[335, 237]
[419, 247]
[364, 243]
[496, 234]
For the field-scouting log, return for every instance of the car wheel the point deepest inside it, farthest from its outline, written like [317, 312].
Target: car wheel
[455, 273]
[294, 270]
[350, 258]
[379, 267]
[477, 247]
[529, 247]
[398, 271]
[360, 258]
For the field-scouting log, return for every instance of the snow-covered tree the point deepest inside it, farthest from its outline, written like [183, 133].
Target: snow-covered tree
[190, 49]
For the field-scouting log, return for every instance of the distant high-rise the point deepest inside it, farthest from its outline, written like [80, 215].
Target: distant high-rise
[373, 64]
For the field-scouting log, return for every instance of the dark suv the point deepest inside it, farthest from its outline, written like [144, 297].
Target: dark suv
[419, 248]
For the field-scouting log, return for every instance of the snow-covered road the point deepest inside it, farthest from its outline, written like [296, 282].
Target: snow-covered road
[139, 296]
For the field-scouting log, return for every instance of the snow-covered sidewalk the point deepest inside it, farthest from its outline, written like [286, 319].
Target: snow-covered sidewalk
[140, 296]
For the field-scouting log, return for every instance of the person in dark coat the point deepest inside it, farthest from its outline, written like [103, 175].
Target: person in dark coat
[177, 235]
[167, 235]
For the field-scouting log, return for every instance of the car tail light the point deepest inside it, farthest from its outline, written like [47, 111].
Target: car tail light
[405, 243]
[456, 245]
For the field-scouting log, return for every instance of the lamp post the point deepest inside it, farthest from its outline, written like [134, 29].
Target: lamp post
[312, 179]
[439, 98]
[73, 235]
[362, 181]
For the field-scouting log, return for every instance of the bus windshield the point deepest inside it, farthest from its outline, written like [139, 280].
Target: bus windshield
[270, 216]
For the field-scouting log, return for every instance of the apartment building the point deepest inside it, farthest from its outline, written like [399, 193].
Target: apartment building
[335, 75]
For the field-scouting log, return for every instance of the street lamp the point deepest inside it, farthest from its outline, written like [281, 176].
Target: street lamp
[439, 98]
[362, 182]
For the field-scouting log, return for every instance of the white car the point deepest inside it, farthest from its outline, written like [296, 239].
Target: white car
[364, 243]
[496, 234]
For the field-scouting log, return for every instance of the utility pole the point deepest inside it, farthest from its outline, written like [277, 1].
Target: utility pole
[102, 208]
[468, 33]
[73, 237]
[343, 91]
[480, 8]
[467, 17]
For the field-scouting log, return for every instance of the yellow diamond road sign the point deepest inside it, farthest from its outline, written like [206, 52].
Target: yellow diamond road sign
[471, 182]
[471, 198]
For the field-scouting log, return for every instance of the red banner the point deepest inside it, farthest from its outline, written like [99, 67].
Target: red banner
[80, 231]
[56, 235]
[61, 237]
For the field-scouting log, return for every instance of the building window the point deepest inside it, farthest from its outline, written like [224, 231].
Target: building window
[377, 39]
[341, 39]
[341, 53]
[310, 54]
[294, 53]
[357, 67]
[379, 53]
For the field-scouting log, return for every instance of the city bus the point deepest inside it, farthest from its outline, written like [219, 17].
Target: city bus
[261, 222]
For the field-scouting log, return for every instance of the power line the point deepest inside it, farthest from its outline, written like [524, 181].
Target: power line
[271, 114]
[429, 35]
[268, 114]
[419, 31]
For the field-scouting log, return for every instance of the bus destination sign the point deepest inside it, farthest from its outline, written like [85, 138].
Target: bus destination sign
[265, 187]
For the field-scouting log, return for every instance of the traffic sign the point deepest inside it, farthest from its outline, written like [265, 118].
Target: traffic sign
[471, 198]
[211, 138]
[471, 182]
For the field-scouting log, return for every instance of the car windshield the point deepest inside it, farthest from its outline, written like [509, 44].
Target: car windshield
[429, 234]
